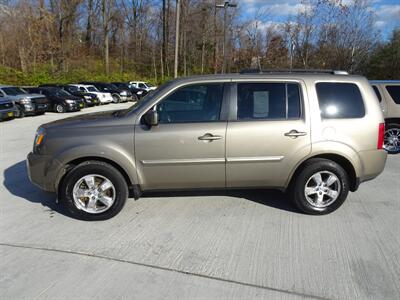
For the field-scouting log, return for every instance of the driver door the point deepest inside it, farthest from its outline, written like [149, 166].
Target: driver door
[187, 148]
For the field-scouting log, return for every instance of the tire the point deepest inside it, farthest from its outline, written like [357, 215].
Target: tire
[312, 203]
[40, 113]
[392, 138]
[135, 98]
[116, 98]
[21, 112]
[59, 108]
[118, 191]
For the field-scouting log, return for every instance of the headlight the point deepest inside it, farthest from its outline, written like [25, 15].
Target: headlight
[87, 97]
[40, 133]
[70, 101]
[26, 101]
[140, 92]
[124, 93]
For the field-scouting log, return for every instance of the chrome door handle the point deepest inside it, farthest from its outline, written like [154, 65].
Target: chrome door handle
[294, 133]
[209, 137]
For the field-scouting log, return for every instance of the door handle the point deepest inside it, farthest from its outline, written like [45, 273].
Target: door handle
[209, 137]
[294, 133]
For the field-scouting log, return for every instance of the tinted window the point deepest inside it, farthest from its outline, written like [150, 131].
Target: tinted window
[268, 101]
[196, 103]
[340, 100]
[394, 92]
[378, 94]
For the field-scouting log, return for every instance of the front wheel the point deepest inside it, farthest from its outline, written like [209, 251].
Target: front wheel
[392, 138]
[321, 187]
[59, 108]
[94, 190]
[116, 98]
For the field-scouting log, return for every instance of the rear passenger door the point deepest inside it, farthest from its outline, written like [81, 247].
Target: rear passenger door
[268, 134]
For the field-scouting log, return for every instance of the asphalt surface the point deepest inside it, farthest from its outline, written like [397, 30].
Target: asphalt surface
[237, 244]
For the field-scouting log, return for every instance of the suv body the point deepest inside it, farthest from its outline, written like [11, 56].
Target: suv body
[388, 93]
[119, 95]
[103, 97]
[89, 99]
[7, 109]
[26, 103]
[60, 101]
[295, 132]
[142, 85]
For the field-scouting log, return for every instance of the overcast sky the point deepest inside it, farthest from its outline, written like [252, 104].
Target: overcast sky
[387, 12]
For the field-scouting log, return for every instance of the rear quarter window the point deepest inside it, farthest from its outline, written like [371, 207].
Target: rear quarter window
[339, 100]
[394, 92]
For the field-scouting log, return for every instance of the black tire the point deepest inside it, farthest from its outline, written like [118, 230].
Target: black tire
[100, 168]
[135, 98]
[310, 168]
[116, 98]
[59, 108]
[393, 128]
[21, 112]
[40, 113]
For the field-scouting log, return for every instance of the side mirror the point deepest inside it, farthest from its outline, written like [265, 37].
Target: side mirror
[151, 118]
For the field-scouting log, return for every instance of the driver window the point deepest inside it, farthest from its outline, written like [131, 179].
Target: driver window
[194, 103]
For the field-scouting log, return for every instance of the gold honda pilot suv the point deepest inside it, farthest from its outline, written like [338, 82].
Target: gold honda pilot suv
[316, 135]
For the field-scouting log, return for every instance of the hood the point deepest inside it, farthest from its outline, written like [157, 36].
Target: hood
[86, 120]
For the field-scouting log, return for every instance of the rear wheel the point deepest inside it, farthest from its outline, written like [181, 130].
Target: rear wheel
[93, 191]
[321, 187]
[392, 138]
[134, 98]
[59, 108]
[21, 112]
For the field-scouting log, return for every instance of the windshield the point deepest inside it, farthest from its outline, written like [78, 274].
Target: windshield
[92, 89]
[72, 89]
[148, 98]
[60, 93]
[13, 91]
[149, 84]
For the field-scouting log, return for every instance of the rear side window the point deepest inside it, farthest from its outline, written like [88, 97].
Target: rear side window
[268, 101]
[394, 92]
[378, 94]
[340, 100]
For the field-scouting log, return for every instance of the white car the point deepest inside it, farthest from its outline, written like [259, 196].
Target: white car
[142, 85]
[104, 98]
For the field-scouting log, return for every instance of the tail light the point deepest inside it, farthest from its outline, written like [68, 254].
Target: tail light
[381, 135]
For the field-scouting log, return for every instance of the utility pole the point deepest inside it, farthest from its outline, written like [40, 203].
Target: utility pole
[224, 46]
[178, 12]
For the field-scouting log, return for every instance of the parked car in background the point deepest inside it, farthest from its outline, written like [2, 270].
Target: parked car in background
[142, 85]
[104, 97]
[26, 103]
[119, 95]
[316, 135]
[89, 99]
[136, 93]
[388, 93]
[59, 100]
[7, 109]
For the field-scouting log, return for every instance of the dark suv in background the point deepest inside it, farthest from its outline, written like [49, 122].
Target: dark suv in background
[119, 95]
[27, 103]
[89, 99]
[137, 93]
[60, 101]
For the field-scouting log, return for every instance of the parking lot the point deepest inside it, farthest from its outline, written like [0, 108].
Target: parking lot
[233, 244]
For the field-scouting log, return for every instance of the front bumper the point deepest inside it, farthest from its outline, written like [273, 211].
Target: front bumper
[74, 106]
[44, 171]
[34, 108]
[9, 113]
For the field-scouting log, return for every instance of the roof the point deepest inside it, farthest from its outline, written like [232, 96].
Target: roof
[384, 81]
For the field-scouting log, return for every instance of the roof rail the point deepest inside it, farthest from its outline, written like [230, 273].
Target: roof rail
[309, 71]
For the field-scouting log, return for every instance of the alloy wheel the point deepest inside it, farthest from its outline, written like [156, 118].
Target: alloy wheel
[322, 189]
[392, 140]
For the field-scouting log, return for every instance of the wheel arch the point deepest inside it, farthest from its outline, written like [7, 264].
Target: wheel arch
[341, 160]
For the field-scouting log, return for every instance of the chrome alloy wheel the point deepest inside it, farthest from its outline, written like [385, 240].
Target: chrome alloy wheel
[392, 140]
[322, 189]
[94, 194]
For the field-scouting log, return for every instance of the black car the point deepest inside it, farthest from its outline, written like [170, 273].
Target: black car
[119, 95]
[135, 91]
[88, 98]
[60, 101]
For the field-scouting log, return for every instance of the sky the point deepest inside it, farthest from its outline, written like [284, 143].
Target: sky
[387, 12]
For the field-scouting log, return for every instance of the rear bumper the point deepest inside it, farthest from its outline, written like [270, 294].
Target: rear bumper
[8, 113]
[373, 163]
[43, 171]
